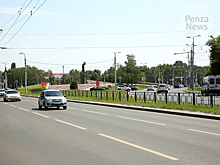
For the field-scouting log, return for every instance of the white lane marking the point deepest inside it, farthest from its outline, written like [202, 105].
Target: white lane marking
[210, 133]
[71, 108]
[139, 147]
[141, 120]
[12, 105]
[23, 109]
[40, 114]
[5, 103]
[95, 112]
[70, 124]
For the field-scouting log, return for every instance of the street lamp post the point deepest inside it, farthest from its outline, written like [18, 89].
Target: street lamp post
[192, 62]
[115, 67]
[25, 72]
[6, 79]
[143, 74]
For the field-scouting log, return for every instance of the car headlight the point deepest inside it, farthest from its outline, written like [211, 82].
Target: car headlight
[64, 100]
[48, 100]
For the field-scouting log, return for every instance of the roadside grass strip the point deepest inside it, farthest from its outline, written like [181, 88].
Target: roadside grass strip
[141, 120]
[40, 115]
[139, 147]
[23, 109]
[73, 125]
[95, 112]
[210, 133]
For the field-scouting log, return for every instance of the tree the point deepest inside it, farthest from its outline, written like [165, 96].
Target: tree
[214, 44]
[75, 74]
[13, 65]
[132, 71]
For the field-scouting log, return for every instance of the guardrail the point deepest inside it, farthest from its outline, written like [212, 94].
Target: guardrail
[184, 98]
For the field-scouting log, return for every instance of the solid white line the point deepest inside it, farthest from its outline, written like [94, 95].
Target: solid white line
[139, 147]
[69, 124]
[95, 112]
[41, 114]
[204, 132]
[141, 120]
[23, 109]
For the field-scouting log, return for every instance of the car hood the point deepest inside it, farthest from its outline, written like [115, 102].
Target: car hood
[54, 97]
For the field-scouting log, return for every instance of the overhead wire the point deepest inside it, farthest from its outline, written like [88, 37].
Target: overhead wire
[27, 19]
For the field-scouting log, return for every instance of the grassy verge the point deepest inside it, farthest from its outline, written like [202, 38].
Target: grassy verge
[195, 89]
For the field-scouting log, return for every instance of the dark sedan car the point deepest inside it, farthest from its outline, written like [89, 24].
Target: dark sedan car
[96, 88]
[133, 88]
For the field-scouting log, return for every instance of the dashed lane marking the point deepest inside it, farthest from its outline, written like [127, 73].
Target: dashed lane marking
[141, 120]
[40, 114]
[95, 112]
[70, 124]
[23, 109]
[139, 147]
[210, 133]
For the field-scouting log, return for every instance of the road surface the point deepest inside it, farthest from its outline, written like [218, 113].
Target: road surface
[89, 134]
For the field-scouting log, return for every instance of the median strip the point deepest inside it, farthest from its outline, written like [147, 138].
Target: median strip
[40, 114]
[139, 147]
[204, 132]
[141, 120]
[73, 125]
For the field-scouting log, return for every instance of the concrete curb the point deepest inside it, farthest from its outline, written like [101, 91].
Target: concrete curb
[148, 109]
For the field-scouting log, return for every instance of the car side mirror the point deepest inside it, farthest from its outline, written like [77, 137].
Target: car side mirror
[64, 95]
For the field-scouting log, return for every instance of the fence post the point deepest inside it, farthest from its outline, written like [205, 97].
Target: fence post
[96, 94]
[211, 100]
[113, 95]
[135, 96]
[106, 95]
[127, 96]
[120, 96]
[166, 97]
[82, 93]
[75, 92]
[194, 99]
[91, 93]
[155, 97]
[178, 98]
[144, 98]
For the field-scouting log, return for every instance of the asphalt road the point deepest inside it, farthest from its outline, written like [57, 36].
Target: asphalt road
[89, 134]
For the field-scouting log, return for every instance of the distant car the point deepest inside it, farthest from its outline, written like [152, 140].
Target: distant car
[123, 87]
[97, 89]
[168, 86]
[162, 88]
[12, 95]
[150, 88]
[2, 92]
[133, 88]
[52, 98]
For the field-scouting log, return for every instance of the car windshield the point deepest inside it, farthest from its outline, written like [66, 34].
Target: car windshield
[12, 92]
[2, 90]
[162, 86]
[53, 93]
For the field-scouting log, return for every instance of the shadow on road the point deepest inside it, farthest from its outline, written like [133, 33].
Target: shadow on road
[49, 109]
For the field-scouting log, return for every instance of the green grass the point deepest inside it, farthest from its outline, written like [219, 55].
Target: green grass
[195, 89]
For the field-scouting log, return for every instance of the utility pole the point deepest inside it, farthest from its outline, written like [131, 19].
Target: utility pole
[115, 66]
[25, 72]
[192, 63]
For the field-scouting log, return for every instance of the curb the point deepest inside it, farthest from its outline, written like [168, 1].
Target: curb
[148, 109]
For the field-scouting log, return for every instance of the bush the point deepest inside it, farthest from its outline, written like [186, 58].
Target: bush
[74, 85]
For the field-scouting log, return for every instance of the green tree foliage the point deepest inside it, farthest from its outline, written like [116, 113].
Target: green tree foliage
[214, 44]
[65, 79]
[13, 65]
[133, 73]
[75, 75]
[74, 85]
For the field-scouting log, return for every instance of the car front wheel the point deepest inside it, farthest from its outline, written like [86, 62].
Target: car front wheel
[65, 107]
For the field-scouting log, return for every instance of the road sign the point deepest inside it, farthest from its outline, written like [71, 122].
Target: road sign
[162, 74]
[120, 80]
[120, 77]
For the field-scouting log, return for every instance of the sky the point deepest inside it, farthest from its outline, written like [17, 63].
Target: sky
[71, 32]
